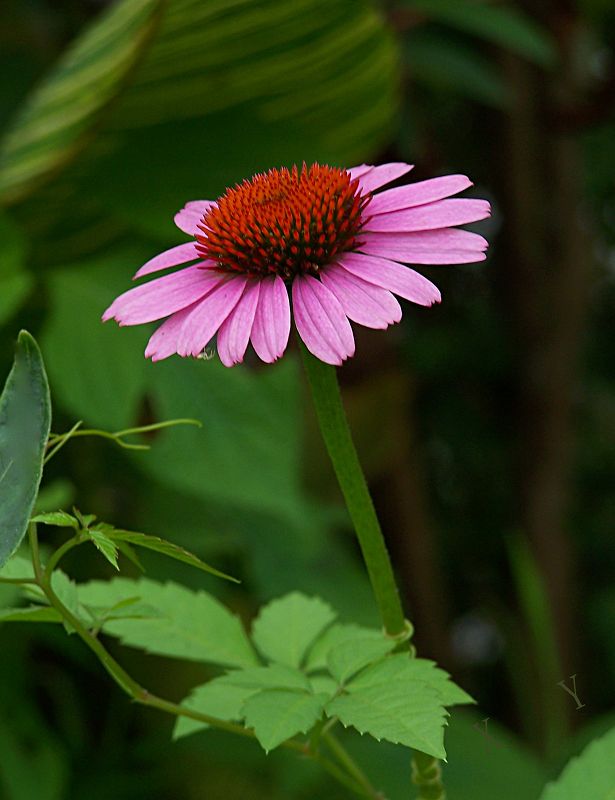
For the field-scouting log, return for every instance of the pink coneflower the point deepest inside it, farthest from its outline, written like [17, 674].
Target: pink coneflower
[321, 235]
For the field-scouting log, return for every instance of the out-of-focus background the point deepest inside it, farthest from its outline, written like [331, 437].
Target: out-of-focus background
[486, 425]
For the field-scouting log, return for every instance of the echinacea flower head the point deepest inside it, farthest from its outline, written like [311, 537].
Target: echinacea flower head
[319, 238]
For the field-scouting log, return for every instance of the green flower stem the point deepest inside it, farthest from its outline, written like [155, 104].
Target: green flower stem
[427, 775]
[141, 695]
[338, 440]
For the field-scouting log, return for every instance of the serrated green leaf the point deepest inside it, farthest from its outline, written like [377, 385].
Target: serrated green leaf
[590, 775]
[332, 637]
[346, 659]
[279, 714]
[31, 614]
[324, 684]
[190, 625]
[409, 715]
[404, 670]
[59, 518]
[164, 548]
[217, 698]
[275, 676]
[59, 115]
[104, 545]
[504, 26]
[25, 419]
[286, 627]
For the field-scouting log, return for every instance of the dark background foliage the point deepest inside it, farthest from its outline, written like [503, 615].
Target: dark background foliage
[486, 425]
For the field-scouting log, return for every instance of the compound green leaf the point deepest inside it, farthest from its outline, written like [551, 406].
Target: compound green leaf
[286, 627]
[411, 715]
[333, 636]
[189, 625]
[347, 658]
[218, 698]
[274, 676]
[25, 419]
[406, 671]
[31, 614]
[279, 714]
[104, 545]
[58, 518]
[590, 775]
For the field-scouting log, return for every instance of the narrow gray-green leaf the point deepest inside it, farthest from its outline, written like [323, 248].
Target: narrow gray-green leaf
[286, 627]
[591, 775]
[279, 714]
[25, 419]
[165, 548]
[55, 123]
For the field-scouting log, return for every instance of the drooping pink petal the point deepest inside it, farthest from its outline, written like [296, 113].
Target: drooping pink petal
[199, 205]
[205, 319]
[234, 333]
[191, 216]
[442, 246]
[181, 254]
[362, 302]
[401, 280]
[321, 321]
[417, 194]
[271, 326]
[163, 342]
[441, 214]
[380, 176]
[162, 296]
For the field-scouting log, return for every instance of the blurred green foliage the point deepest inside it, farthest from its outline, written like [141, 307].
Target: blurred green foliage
[112, 115]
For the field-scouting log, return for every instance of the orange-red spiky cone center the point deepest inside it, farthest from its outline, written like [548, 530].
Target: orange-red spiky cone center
[284, 222]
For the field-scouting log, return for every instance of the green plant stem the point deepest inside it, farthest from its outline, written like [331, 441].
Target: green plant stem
[350, 765]
[18, 581]
[58, 554]
[336, 433]
[340, 446]
[141, 695]
[427, 775]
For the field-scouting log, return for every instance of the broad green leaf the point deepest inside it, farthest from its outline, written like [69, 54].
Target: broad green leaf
[190, 625]
[25, 419]
[217, 698]
[590, 775]
[275, 676]
[104, 545]
[347, 658]
[412, 715]
[55, 122]
[107, 388]
[224, 697]
[31, 614]
[17, 566]
[505, 26]
[324, 684]
[286, 627]
[59, 518]
[333, 636]
[161, 546]
[279, 714]
[404, 670]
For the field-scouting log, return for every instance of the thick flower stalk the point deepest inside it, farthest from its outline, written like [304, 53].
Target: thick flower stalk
[321, 238]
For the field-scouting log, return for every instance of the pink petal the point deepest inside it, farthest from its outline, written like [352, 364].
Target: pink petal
[271, 327]
[170, 258]
[163, 342]
[441, 214]
[234, 333]
[162, 296]
[361, 169]
[417, 194]
[204, 320]
[188, 221]
[392, 276]
[321, 321]
[362, 302]
[379, 176]
[199, 205]
[442, 246]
